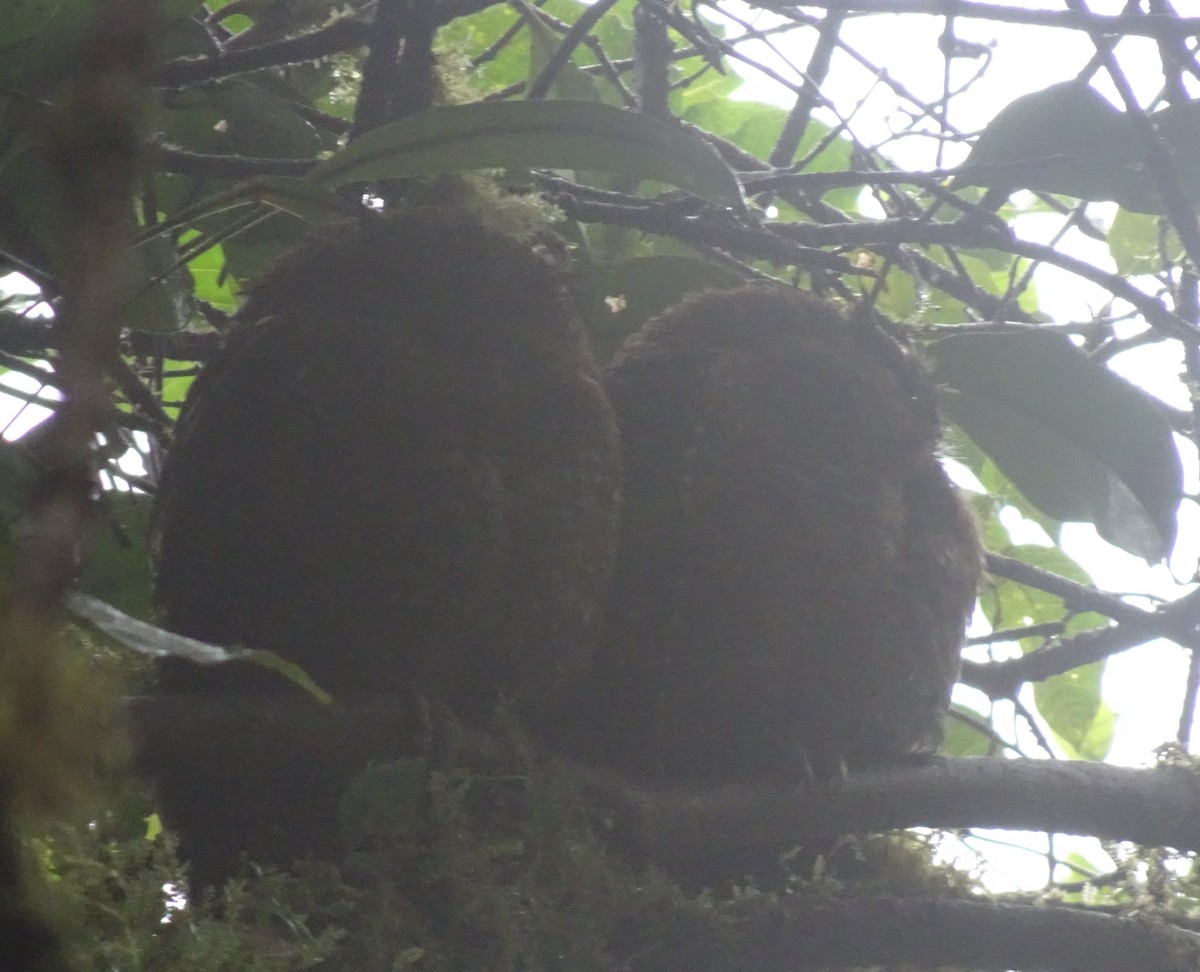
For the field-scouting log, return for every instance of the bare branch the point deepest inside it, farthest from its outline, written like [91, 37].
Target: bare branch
[1158, 26]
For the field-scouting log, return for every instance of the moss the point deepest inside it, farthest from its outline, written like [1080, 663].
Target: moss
[118, 901]
[451, 868]
[59, 719]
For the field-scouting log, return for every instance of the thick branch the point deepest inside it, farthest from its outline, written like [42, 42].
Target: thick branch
[171, 159]
[714, 229]
[786, 146]
[379, 74]
[342, 35]
[346, 34]
[924, 933]
[32, 337]
[294, 758]
[539, 87]
[1003, 679]
[1154, 807]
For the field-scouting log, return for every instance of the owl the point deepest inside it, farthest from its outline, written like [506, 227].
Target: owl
[401, 472]
[795, 570]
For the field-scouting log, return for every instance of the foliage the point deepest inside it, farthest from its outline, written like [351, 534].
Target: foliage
[258, 121]
[117, 894]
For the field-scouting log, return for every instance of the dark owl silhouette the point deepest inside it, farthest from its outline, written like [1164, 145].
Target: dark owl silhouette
[401, 472]
[795, 570]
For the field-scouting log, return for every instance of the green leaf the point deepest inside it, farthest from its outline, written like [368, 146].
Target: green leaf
[1178, 126]
[1052, 559]
[1136, 243]
[965, 740]
[1065, 139]
[157, 290]
[570, 82]
[385, 802]
[1020, 605]
[206, 270]
[1070, 704]
[116, 562]
[628, 293]
[175, 387]
[471, 36]
[1076, 143]
[1078, 441]
[32, 228]
[241, 118]
[146, 639]
[40, 40]
[300, 197]
[1000, 488]
[898, 297]
[547, 134]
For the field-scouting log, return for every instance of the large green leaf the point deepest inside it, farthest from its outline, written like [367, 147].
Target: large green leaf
[546, 134]
[1137, 241]
[146, 639]
[1076, 714]
[1068, 139]
[1079, 442]
[962, 738]
[40, 40]
[241, 118]
[570, 82]
[156, 290]
[1065, 138]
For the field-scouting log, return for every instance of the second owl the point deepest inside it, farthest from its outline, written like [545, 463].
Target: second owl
[795, 569]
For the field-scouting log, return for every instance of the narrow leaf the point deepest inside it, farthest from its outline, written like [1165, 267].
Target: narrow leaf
[544, 134]
[146, 639]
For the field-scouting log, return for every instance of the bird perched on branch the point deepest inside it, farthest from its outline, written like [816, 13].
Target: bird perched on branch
[401, 472]
[795, 570]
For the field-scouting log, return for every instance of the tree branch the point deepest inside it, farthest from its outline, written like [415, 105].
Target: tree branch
[1076, 597]
[379, 71]
[1154, 807]
[295, 758]
[797, 933]
[539, 87]
[792, 134]
[342, 35]
[1158, 26]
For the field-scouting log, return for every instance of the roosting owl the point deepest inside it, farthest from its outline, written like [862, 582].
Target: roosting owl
[795, 570]
[401, 472]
